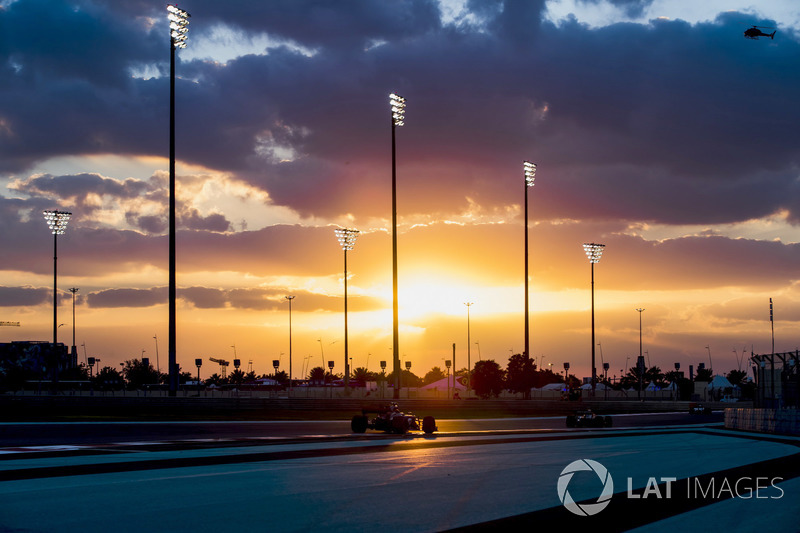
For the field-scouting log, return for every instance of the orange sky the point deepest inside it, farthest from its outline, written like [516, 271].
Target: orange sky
[647, 137]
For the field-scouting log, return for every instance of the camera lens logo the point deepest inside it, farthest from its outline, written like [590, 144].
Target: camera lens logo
[587, 509]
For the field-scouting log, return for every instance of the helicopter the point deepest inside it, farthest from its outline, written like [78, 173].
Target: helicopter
[754, 32]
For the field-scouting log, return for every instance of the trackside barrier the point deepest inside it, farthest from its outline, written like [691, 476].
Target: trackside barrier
[779, 421]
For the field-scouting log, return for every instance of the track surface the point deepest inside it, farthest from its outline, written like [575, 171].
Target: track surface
[487, 475]
[66, 433]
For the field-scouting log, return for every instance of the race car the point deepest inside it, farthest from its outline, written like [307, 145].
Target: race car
[698, 409]
[587, 419]
[391, 420]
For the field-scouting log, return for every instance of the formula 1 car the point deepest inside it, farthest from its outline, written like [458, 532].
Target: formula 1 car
[698, 409]
[391, 420]
[588, 419]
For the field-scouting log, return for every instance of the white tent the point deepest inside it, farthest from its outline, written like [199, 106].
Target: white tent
[442, 384]
[719, 383]
[598, 386]
[552, 386]
[651, 387]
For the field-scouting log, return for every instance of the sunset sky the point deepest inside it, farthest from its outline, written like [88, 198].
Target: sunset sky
[657, 128]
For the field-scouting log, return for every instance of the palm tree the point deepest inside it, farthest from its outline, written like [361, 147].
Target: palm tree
[236, 377]
[316, 375]
[434, 374]
[214, 379]
[361, 375]
[652, 374]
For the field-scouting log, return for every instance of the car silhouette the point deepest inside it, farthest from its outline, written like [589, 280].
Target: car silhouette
[586, 418]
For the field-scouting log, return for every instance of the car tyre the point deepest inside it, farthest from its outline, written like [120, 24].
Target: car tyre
[359, 424]
[608, 422]
[429, 424]
[571, 421]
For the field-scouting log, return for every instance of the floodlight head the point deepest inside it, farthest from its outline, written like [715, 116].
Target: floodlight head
[530, 172]
[593, 251]
[178, 25]
[398, 104]
[346, 237]
[57, 221]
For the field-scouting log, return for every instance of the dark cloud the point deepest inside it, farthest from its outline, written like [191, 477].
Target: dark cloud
[694, 105]
[204, 297]
[323, 24]
[258, 299]
[192, 219]
[148, 223]
[76, 57]
[128, 297]
[665, 122]
[252, 299]
[24, 296]
[82, 190]
[80, 185]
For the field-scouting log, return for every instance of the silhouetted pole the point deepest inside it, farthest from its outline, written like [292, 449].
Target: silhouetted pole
[593, 252]
[289, 299]
[158, 364]
[454, 368]
[74, 352]
[530, 173]
[398, 105]
[469, 359]
[772, 325]
[179, 22]
[57, 222]
[347, 240]
[641, 310]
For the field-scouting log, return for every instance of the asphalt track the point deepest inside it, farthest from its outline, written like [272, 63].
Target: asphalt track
[472, 478]
[61, 433]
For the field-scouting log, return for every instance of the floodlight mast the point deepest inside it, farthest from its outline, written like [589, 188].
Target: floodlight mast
[593, 252]
[398, 107]
[289, 298]
[529, 169]
[57, 222]
[179, 28]
[347, 240]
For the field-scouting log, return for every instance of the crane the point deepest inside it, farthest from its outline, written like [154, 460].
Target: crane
[223, 365]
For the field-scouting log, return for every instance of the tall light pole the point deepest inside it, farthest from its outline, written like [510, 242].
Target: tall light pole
[289, 299]
[398, 106]
[641, 310]
[347, 240]
[179, 27]
[57, 222]
[74, 352]
[529, 170]
[469, 360]
[158, 365]
[772, 325]
[593, 252]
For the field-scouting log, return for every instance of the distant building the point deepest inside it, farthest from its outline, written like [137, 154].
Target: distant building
[29, 360]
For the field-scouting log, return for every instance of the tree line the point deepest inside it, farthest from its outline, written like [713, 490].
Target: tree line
[488, 378]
